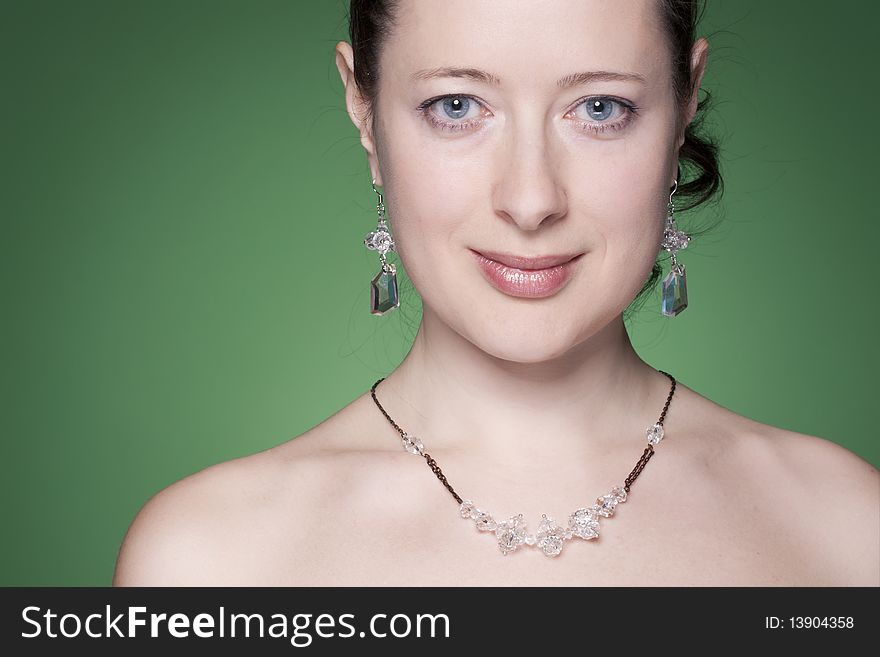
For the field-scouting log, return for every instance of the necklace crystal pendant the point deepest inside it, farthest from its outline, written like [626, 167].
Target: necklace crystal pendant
[550, 537]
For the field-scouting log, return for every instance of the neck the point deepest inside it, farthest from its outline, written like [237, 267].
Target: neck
[586, 402]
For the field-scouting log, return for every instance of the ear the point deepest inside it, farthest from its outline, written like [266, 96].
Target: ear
[356, 106]
[699, 54]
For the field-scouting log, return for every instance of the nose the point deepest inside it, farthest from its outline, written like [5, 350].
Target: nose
[528, 190]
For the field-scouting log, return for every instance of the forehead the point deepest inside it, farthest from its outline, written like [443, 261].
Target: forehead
[526, 42]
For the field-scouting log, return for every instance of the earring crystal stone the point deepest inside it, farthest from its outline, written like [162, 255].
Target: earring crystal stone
[675, 298]
[675, 291]
[383, 288]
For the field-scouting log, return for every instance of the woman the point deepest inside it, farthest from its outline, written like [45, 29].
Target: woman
[496, 131]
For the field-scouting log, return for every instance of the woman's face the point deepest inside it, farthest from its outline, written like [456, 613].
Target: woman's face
[526, 166]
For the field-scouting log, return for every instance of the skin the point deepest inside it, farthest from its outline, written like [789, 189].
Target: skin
[528, 405]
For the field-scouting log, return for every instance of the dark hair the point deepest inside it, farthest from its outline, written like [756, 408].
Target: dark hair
[371, 21]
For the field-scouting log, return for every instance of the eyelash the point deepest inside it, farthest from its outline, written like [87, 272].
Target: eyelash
[598, 127]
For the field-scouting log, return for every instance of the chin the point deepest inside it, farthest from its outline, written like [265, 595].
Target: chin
[520, 344]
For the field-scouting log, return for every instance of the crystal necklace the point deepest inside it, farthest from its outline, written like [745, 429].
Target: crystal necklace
[550, 536]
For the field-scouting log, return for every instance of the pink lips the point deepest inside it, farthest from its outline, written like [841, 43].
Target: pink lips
[526, 277]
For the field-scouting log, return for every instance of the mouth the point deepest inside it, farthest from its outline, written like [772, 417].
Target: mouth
[526, 263]
[525, 277]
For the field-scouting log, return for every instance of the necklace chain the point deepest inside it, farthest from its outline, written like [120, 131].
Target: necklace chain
[550, 537]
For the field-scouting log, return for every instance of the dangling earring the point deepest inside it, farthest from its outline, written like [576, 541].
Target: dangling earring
[675, 297]
[383, 287]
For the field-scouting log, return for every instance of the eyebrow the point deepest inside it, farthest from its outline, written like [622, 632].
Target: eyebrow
[570, 80]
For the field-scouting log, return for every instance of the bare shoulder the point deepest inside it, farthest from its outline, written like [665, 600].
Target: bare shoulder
[836, 493]
[240, 521]
[177, 537]
[822, 499]
[214, 526]
[812, 502]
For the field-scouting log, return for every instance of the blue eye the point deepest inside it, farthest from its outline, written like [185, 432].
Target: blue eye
[598, 108]
[455, 106]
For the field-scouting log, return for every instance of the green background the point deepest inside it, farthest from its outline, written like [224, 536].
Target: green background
[184, 280]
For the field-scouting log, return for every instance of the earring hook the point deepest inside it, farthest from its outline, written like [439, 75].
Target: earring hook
[378, 193]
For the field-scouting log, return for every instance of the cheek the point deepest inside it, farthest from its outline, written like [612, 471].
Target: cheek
[631, 240]
[622, 213]
[430, 208]
[633, 225]
[429, 221]
[626, 205]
